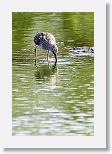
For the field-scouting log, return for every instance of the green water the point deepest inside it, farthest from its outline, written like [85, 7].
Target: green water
[49, 99]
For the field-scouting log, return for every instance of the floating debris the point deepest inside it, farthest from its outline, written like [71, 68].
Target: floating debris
[82, 51]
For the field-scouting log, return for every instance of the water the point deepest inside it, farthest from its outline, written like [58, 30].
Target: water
[49, 98]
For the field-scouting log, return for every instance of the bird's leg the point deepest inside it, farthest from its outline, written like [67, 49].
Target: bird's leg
[35, 56]
[35, 51]
[48, 55]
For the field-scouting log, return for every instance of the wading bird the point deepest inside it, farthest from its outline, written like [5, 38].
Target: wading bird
[46, 41]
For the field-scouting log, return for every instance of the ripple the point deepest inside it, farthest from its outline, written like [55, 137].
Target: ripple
[22, 99]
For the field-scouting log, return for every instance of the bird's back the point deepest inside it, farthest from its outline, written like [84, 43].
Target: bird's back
[44, 40]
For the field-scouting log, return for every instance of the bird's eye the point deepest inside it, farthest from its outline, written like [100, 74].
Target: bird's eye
[53, 47]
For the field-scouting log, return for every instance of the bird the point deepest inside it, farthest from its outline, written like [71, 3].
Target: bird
[47, 42]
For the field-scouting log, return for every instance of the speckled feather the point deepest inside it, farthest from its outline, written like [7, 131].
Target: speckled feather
[46, 41]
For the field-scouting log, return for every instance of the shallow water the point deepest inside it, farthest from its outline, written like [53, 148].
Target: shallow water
[49, 98]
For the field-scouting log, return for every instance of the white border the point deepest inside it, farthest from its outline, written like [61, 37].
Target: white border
[6, 138]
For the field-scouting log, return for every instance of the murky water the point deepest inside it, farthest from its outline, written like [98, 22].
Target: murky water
[49, 98]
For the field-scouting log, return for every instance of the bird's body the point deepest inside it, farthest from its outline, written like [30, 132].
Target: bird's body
[46, 41]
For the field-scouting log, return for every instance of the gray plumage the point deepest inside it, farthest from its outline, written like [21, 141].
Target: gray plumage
[46, 41]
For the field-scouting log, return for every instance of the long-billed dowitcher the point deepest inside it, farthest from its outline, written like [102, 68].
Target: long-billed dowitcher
[46, 41]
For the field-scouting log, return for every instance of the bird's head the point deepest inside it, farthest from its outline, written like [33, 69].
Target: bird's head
[54, 48]
[55, 51]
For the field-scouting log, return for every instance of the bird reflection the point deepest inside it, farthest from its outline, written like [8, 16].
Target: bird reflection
[47, 72]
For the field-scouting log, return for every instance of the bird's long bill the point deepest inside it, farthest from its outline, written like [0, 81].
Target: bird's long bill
[55, 55]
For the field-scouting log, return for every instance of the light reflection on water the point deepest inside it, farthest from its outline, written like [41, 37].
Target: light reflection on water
[50, 99]
[56, 103]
